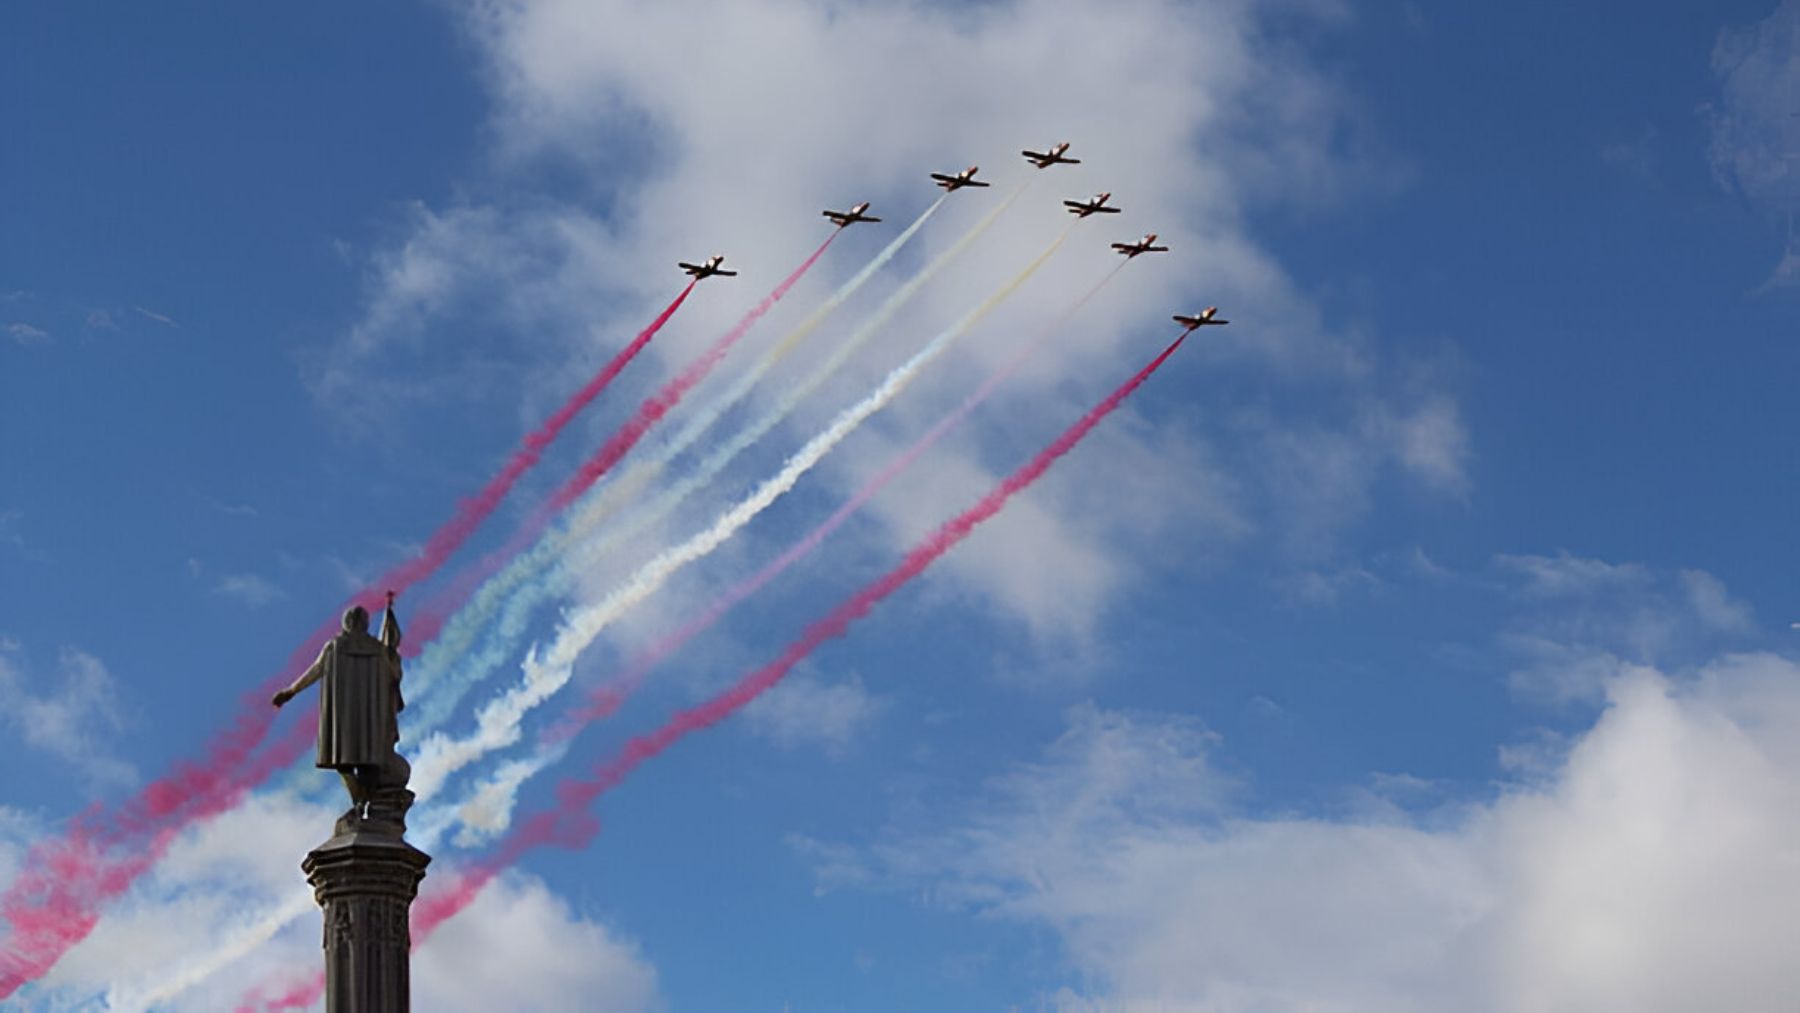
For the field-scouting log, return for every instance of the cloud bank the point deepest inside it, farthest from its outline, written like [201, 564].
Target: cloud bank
[629, 134]
[1654, 871]
[521, 947]
[1756, 122]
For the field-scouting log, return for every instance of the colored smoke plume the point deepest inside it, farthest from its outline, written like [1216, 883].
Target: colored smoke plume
[665, 399]
[508, 588]
[500, 721]
[297, 995]
[475, 509]
[606, 699]
[48, 917]
[571, 825]
[648, 413]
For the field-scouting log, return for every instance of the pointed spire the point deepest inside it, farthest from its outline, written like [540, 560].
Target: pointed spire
[390, 625]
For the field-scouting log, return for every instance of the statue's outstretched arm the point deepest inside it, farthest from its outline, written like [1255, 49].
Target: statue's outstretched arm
[307, 678]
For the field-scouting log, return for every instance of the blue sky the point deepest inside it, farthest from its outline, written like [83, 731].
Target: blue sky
[1462, 548]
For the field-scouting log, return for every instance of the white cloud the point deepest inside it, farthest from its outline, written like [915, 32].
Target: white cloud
[805, 710]
[1755, 129]
[1756, 137]
[1192, 113]
[1565, 575]
[1434, 445]
[1587, 619]
[1713, 605]
[72, 718]
[211, 887]
[1787, 271]
[521, 947]
[249, 588]
[1556, 673]
[24, 334]
[1651, 871]
[229, 509]
[160, 318]
[517, 947]
[1321, 476]
[1325, 587]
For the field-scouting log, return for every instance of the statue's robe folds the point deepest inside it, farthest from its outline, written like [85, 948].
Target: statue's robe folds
[359, 696]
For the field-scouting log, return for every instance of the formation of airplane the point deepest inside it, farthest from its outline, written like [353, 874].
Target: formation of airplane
[958, 181]
[1144, 245]
[1055, 156]
[713, 265]
[1097, 206]
[1204, 318]
[850, 217]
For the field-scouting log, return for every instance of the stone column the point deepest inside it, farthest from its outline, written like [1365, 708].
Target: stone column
[365, 879]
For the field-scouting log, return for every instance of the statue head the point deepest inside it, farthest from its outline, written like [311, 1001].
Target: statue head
[356, 620]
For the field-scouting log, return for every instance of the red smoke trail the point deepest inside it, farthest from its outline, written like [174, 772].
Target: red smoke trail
[603, 700]
[208, 780]
[617, 446]
[215, 783]
[58, 901]
[658, 406]
[571, 825]
[472, 511]
[299, 995]
[438, 905]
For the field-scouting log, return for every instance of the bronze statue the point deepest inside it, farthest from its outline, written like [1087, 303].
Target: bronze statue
[359, 705]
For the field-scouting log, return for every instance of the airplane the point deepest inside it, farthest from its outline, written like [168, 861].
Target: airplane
[1143, 245]
[850, 217]
[708, 269]
[1204, 318]
[958, 181]
[1055, 156]
[1097, 206]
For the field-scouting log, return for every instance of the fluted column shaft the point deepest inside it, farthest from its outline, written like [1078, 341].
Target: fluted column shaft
[365, 883]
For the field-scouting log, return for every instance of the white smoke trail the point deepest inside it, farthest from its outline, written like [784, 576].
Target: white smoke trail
[499, 722]
[451, 648]
[236, 946]
[504, 636]
[423, 832]
[488, 810]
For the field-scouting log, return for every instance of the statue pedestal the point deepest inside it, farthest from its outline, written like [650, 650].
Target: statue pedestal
[365, 879]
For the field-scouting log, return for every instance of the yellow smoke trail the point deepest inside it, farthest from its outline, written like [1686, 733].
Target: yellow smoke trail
[500, 721]
[487, 814]
[516, 592]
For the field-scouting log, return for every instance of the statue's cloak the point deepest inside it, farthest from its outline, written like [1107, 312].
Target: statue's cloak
[359, 692]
